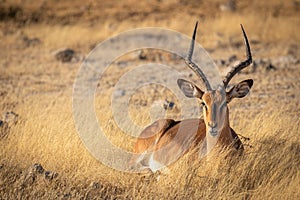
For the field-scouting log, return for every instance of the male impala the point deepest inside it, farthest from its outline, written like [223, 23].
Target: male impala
[166, 140]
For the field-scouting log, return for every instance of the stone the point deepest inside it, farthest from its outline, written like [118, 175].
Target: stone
[64, 55]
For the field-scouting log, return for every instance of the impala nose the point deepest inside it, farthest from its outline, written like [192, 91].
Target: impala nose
[212, 124]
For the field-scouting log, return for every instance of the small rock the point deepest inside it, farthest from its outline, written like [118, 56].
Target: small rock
[67, 196]
[142, 55]
[64, 55]
[10, 117]
[219, 62]
[222, 62]
[50, 175]
[232, 58]
[36, 173]
[37, 168]
[270, 67]
[1, 122]
[168, 105]
[31, 41]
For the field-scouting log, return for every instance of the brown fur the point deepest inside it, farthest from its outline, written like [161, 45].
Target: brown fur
[176, 138]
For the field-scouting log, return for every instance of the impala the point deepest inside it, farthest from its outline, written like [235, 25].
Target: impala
[166, 140]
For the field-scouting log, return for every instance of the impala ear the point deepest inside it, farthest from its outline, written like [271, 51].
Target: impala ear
[189, 89]
[239, 90]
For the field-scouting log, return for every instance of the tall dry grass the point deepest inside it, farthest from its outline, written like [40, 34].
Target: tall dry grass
[269, 167]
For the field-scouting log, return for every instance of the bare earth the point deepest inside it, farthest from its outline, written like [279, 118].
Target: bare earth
[42, 156]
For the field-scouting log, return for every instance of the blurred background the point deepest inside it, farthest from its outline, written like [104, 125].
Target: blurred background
[268, 22]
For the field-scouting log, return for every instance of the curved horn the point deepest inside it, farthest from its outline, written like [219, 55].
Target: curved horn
[192, 65]
[242, 64]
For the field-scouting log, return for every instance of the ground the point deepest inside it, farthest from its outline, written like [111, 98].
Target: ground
[42, 155]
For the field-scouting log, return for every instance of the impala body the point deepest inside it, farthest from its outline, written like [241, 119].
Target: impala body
[166, 140]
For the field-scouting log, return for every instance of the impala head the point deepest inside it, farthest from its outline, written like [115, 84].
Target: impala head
[215, 101]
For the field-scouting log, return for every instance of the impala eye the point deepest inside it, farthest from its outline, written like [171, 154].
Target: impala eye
[203, 104]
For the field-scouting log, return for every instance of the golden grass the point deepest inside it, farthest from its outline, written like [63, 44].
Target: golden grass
[269, 169]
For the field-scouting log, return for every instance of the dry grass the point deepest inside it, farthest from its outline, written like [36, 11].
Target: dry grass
[268, 169]
[39, 89]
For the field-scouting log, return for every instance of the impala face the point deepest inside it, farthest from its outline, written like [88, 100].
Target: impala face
[215, 111]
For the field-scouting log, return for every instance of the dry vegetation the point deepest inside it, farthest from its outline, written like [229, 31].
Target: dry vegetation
[36, 100]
